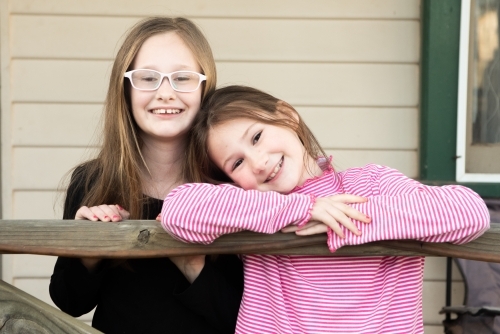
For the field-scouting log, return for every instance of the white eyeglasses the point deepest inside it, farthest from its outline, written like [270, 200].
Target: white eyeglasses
[180, 81]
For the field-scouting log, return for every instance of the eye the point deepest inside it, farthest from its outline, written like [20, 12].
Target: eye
[183, 77]
[256, 138]
[149, 78]
[237, 164]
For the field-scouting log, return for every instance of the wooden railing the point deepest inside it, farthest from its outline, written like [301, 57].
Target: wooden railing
[144, 238]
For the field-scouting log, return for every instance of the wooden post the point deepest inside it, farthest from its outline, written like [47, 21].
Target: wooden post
[23, 313]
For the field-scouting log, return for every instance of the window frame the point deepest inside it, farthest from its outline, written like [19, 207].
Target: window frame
[439, 96]
[463, 102]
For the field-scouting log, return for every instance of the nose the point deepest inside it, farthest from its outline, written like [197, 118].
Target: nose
[259, 162]
[165, 91]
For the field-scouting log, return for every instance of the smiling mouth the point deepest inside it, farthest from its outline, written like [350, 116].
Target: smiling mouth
[275, 171]
[166, 111]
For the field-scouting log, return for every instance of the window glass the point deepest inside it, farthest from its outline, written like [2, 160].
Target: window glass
[483, 149]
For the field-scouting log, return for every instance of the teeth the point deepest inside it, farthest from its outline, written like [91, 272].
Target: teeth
[166, 111]
[276, 170]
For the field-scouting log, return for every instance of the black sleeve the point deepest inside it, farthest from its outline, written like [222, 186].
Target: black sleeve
[216, 292]
[72, 287]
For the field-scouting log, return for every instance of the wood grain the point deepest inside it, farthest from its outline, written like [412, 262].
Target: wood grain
[145, 238]
[22, 313]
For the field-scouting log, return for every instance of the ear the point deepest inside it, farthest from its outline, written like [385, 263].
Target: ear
[285, 108]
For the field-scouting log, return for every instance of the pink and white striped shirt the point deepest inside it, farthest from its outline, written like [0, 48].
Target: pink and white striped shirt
[313, 294]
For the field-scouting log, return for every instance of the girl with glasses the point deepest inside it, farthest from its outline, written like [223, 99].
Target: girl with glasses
[160, 75]
[282, 179]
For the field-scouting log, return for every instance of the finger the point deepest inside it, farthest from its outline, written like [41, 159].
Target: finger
[293, 228]
[290, 228]
[344, 220]
[352, 213]
[316, 229]
[158, 218]
[348, 198]
[124, 213]
[331, 222]
[309, 224]
[110, 213]
[100, 213]
[85, 213]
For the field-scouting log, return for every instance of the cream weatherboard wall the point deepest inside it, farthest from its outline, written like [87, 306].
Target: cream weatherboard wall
[350, 67]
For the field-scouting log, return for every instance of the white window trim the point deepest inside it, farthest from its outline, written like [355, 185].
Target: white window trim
[463, 72]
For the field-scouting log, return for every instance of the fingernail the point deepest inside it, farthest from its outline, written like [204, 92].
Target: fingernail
[368, 217]
[105, 217]
[95, 217]
[119, 207]
[116, 217]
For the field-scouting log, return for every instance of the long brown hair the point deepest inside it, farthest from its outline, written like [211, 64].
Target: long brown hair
[235, 102]
[114, 176]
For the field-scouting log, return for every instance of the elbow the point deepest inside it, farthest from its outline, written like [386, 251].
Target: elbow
[484, 216]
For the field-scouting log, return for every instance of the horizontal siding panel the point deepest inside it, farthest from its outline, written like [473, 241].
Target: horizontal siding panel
[69, 124]
[33, 266]
[329, 84]
[59, 80]
[404, 161]
[344, 128]
[43, 168]
[231, 39]
[434, 300]
[297, 83]
[313, 40]
[363, 128]
[42, 204]
[67, 37]
[394, 9]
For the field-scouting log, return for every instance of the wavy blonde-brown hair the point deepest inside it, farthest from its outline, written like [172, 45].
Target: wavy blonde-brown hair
[114, 176]
[236, 102]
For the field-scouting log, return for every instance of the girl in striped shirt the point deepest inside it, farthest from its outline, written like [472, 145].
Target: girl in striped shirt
[261, 145]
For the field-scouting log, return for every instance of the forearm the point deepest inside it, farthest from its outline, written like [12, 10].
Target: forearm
[73, 288]
[432, 214]
[203, 212]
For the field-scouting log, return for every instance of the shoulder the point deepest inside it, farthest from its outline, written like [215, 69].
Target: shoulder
[82, 179]
[371, 171]
[85, 169]
[371, 179]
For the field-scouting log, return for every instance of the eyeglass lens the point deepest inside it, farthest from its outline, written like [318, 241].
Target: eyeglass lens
[151, 80]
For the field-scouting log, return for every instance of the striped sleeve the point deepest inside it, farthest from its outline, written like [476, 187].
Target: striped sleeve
[201, 212]
[402, 208]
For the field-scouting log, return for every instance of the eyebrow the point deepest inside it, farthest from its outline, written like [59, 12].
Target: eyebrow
[245, 134]
[179, 67]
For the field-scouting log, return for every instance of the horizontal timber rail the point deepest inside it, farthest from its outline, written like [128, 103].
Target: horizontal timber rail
[146, 238]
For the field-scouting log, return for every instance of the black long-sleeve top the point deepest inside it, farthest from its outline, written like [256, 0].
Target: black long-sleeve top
[148, 295]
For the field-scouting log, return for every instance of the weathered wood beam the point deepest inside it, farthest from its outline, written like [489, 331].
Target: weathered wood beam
[22, 313]
[145, 238]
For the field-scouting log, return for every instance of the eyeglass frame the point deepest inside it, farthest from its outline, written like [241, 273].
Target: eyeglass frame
[128, 75]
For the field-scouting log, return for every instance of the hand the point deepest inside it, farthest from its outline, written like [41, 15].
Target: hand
[331, 212]
[105, 213]
[191, 266]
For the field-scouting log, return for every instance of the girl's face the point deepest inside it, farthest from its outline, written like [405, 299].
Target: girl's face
[165, 114]
[260, 156]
